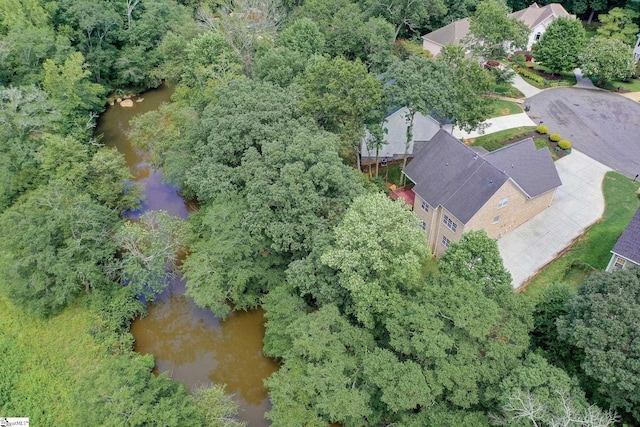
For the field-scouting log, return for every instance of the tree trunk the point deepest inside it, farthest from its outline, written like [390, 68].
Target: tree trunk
[591, 16]
[377, 162]
[410, 116]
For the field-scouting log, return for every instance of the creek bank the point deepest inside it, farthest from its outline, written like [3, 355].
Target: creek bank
[189, 342]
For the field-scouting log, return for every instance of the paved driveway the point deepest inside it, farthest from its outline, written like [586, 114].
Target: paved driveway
[577, 204]
[603, 125]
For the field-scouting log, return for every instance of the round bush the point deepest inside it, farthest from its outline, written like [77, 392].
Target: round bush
[555, 137]
[542, 129]
[564, 144]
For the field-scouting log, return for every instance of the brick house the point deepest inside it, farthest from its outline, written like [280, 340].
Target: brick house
[626, 252]
[459, 189]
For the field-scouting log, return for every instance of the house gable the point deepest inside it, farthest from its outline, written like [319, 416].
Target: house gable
[395, 135]
[628, 245]
[536, 18]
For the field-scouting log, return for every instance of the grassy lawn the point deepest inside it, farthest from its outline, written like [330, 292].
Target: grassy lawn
[506, 89]
[500, 107]
[591, 251]
[493, 141]
[632, 85]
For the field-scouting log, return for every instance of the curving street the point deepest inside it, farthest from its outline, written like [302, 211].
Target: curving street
[603, 125]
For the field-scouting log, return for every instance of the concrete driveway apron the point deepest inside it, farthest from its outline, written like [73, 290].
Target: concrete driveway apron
[577, 204]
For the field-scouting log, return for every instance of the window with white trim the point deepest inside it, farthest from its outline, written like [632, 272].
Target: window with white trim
[538, 35]
[496, 219]
[425, 206]
[503, 202]
[423, 225]
[445, 242]
[449, 223]
[620, 262]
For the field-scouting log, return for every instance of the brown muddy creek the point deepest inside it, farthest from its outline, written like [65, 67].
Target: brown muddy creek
[189, 343]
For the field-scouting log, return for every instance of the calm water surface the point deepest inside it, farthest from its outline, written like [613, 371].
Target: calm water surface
[188, 342]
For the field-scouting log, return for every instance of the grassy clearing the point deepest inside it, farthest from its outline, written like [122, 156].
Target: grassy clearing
[506, 89]
[500, 107]
[493, 141]
[591, 251]
[632, 85]
[43, 361]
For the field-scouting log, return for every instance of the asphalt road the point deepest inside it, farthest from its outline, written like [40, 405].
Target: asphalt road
[601, 124]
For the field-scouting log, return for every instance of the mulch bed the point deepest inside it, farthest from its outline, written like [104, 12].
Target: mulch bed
[533, 134]
[544, 74]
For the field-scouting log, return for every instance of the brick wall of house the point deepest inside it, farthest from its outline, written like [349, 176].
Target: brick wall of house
[518, 210]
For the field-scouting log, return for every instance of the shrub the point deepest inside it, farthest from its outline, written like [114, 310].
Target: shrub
[531, 75]
[555, 137]
[542, 129]
[564, 144]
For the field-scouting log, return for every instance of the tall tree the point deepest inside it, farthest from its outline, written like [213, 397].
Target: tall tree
[467, 99]
[244, 23]
[75, 96]
[150, 247]
[422, 86]
[606, 60]
[492, 31]
[602, 323]
[581, 7]
[619, 24]
[406, 15]
[56, 243]
[560, 45]
[342, 96]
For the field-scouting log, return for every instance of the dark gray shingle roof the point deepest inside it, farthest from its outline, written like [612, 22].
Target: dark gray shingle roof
[531, 169]
[628, 245]
[447, 172]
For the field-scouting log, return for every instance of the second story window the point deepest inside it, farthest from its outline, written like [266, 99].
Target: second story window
[503, 202]
[449, 223]
[425, 206]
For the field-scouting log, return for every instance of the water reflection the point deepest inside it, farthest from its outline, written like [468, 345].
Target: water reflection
[188, 342]
[195, 347]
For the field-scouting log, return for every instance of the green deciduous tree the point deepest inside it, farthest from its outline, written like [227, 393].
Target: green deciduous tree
[581, 7]
[406, 15]
[467, 102]
[125, 392]
[149, 252]
[216, 407]
[378, 257]
[560, 45]
[303, 35]
[421, 85]
[492, 31]
[73, 94]
[342, 96]
[538, 393]
[619, 24]
[56, 242]
[602, 322]
[226, 263]
[606, 60]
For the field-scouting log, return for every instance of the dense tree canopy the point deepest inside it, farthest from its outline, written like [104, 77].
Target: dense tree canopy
[601, 322]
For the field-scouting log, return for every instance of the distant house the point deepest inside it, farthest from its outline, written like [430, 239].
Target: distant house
[626, 252]
[535, 17]
[459, 189]
[395, 136]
